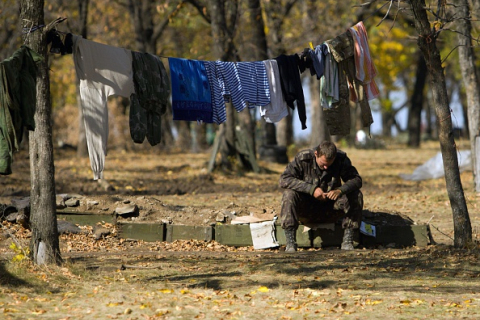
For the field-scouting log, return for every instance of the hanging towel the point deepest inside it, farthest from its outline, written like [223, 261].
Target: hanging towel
[254, 81]
[218, 104]
[291, 82]
[18, 98]
[102, 71]
[365, 68]
[277, 109]
[150, 100]
[191, 94]
[229, 80]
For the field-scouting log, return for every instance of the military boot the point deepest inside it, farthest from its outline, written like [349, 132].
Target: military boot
[347, 243]
[291, 243]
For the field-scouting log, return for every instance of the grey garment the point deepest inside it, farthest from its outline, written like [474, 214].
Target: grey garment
[302, 174]
[150, 100]
[342, 48]
[301, 207]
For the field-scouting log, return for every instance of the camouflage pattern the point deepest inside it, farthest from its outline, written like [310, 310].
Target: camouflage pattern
[300, 179]
[150, 100]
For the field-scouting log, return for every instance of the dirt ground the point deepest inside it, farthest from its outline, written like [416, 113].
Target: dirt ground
[112, 278]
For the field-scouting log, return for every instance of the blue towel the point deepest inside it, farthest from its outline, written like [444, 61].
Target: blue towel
[191, 93]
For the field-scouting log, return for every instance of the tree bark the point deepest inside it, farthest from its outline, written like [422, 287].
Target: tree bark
[426, 41]
[416, 104]
[470, 79]
[44, 244]
[319, 126]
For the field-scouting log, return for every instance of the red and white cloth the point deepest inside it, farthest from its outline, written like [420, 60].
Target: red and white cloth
[365, 68]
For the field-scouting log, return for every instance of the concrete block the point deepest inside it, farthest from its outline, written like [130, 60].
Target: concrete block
[149, 232]
[237, 235]
[181, 232]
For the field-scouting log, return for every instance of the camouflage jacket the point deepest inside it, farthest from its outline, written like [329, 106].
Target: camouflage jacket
[302, 174]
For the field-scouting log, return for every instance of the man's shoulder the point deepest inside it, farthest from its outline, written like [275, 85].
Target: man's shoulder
[306, 155]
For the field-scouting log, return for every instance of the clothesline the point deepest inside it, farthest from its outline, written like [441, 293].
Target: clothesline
[199, 88]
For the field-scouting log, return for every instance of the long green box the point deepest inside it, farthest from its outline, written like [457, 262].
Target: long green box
[399, 236]
[303, 238]
[237, 235]
[85, 219]
[328, 238]
[181, 232]
[149, 232]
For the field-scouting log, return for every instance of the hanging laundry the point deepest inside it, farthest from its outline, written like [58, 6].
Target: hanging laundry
[18, 98]
[218, 104]
[191, 93]
[277, 109]
[102, 71]
[229, 80]
[337, 117]
[319, 59]
[329, 83]
[365, 68]
[150, 100]
[289, 68]
[254, 81]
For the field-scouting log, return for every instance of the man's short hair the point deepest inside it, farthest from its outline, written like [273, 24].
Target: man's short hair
[327, 149]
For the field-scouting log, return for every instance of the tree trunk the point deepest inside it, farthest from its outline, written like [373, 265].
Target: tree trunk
[470, 79]
[427, 43]
[416, 104]
[44, 244]
[285, 130]
[82, 150]
[318, 125]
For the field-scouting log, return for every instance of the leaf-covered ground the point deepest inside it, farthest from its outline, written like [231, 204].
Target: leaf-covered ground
[113, 278]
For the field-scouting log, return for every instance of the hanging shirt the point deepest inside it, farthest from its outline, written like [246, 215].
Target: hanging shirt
[277, 109]
[191, 94]
[229, 80]
[254, 81]
[102, 71]
[365, 68]
[150, 100]
[218, 104]
[291, 82]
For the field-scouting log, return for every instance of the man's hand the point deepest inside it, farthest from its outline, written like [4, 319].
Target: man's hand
[319, 194]
[334, 194]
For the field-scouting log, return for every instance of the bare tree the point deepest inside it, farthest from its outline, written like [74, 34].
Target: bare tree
[416, 103]
[427, 42]
[470, 81]
[44, 243]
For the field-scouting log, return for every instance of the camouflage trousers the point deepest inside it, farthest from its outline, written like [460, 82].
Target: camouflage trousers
[301, 207]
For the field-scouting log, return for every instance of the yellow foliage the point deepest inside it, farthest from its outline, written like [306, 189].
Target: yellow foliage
[21, 253]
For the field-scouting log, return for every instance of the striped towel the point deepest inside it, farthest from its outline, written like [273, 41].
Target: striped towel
[365, 68]
[231, 85]
[254, 81]
[218, 103]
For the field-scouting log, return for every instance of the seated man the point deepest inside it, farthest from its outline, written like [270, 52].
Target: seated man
[314, 192]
